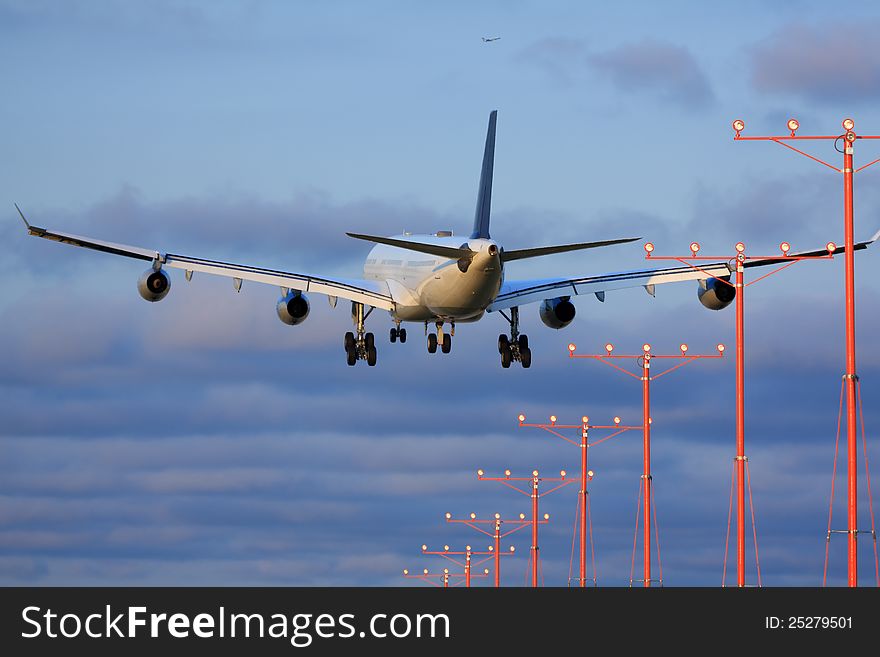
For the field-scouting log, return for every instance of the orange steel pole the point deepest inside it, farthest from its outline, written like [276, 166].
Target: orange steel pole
[848, 138]
[646, 457]
[496, 537]
[534, 547]
[582, 572]
[851, 377]
[740, 431]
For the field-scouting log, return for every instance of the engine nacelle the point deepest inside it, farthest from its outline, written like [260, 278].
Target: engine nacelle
[557, 313]
[154, 285]
[714, 294]
[293, 308]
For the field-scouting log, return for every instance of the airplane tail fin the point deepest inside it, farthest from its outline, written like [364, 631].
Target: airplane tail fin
[484, 196]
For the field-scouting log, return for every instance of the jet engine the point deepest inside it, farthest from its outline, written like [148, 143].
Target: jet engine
[293, 308]
[154, 285]
[715, 294]
[557, 313]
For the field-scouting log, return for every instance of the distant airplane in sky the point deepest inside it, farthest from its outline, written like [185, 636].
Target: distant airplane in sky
[490, 39]
[437, 279]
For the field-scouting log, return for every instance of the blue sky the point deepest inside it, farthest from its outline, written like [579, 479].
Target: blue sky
[201, 441]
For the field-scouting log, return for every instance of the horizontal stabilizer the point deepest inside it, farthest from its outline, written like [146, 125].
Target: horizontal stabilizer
[431, 249]
[521, 254]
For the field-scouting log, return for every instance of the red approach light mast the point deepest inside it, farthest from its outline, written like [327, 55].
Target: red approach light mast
[646, 486]
[738, 264]
[533, 492]
[474, 522]
[445, 577]
[468, 564]
[850, 378]
[585, 476]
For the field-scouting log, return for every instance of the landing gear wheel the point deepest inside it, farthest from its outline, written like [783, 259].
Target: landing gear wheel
[349, 342]
[502, 342]
[394, 335]
[506, 356]
[446, 347]
[401, 333]
[432, 343]
[523, 343]
[351, 356]
[525, 357]
[369, 341]
[371, 354]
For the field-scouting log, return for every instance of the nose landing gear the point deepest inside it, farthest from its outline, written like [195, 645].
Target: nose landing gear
[398, 333]
[441, 339]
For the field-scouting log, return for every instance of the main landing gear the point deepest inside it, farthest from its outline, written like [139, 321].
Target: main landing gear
[444, 340]
[515, 347]
[361, 346]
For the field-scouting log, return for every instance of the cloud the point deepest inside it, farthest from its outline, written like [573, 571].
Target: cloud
[826, 64]
[664, 69]
[561, 58]
[659, 67]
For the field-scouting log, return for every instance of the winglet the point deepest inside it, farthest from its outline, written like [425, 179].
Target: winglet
[28, 226]
[874, 237]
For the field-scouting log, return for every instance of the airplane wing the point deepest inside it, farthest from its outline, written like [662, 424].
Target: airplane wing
[516, 293]
[372, 293]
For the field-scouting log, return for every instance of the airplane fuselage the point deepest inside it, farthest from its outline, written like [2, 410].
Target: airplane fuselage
[433, 288]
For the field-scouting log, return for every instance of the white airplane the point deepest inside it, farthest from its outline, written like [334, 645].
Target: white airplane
[490, 39]
[434, 279]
